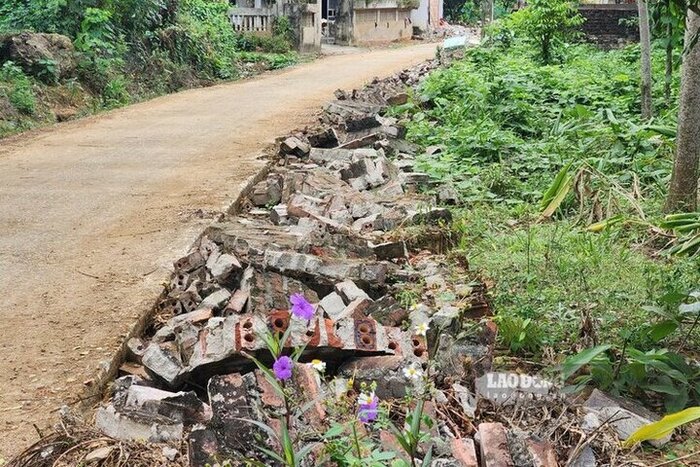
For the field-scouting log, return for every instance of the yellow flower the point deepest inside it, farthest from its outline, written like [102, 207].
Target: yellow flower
[318, 365]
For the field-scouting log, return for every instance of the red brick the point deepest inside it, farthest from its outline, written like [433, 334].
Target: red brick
[542, 452]
[389, 443]
[268, 394]
[237, 302]
[493, 445]
[308, 380]
[464, 452]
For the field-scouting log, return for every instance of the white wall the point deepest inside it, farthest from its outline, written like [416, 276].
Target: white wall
[419, 16]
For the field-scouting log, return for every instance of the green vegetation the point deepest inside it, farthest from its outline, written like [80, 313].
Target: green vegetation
[131, 50]
[563, 186]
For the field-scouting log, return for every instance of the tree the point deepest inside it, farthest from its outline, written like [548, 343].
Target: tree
[683, 193]
[486, 14]
[645, 44]
[548, 24]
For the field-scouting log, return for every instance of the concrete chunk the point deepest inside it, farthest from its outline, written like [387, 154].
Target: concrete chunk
[130, 427]
[332, 304]
[162, 363]
[626, 415]
[349, 291]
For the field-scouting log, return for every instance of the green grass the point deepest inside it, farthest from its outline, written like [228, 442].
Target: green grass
[555, 273]
[507, 125]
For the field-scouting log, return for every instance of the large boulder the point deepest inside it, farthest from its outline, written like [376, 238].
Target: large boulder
[46, 56]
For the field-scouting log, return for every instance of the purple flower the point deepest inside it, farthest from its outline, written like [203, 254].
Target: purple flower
[283, 368]
[368, 410]
[301, 308]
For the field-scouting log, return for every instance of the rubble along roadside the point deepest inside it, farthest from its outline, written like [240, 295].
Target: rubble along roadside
[344, 219]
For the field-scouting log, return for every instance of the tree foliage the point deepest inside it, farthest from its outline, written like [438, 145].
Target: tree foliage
[546, 23]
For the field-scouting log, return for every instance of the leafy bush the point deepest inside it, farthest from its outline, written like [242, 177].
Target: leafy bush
[546, 23]
[15, 85]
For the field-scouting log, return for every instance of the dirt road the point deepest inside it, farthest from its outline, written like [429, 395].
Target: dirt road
[93, 212]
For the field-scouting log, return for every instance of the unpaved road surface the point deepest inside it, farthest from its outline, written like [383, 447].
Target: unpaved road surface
[93, 212]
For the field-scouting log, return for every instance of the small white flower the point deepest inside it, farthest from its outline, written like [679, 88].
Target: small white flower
[422, 329]
[365, 398]
[318, 365]
[413, 372]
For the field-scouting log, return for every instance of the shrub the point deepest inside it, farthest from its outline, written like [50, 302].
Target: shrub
[547, 24]
[17, 88]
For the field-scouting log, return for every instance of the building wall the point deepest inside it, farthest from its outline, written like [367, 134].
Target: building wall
[603, 22]
[381, 25]
[419, 16]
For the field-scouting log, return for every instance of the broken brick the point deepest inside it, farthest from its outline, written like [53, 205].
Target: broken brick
[493, 445]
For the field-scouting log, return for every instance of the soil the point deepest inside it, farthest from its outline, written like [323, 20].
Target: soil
[94, 211]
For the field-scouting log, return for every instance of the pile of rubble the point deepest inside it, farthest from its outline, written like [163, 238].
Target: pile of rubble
[326, 222]
[323, 223]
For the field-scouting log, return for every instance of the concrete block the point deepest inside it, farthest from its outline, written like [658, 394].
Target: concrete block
[231, 405]
[216, 300]
[222, 266]
[542, 452]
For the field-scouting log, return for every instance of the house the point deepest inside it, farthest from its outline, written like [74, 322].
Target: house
[257, 17]
[360, 22]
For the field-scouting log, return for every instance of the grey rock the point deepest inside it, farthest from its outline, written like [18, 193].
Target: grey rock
[586, 458]
[626, 416]
[32, 51]
[447, 194]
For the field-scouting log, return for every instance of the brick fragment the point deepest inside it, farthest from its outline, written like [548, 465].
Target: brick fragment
[493, 446]
[464, 452]
[542, 452]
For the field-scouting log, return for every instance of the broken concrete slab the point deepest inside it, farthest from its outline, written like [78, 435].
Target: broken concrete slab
[135, 427]
[332, 304]
[349, 291]
[163, 363]
[624, 415]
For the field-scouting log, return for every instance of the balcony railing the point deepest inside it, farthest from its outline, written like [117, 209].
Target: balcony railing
[251, 19]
